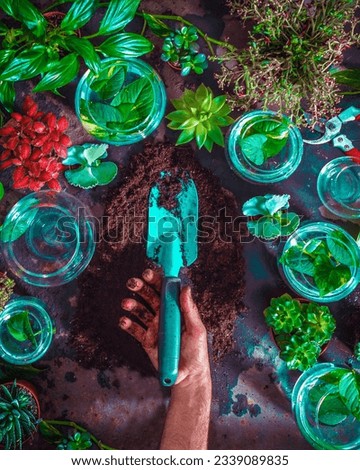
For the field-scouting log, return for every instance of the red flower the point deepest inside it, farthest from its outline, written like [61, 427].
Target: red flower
[34, 142]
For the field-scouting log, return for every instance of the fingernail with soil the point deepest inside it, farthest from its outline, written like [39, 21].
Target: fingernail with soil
[133, 283]
[123, 323]
[147, 274]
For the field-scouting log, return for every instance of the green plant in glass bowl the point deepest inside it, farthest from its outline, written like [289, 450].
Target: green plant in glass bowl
[19, 413]
[40, 46]
[269, 217]
[199, 115]
[300, 329]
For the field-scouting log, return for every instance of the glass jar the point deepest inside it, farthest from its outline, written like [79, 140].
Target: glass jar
[338, 187]
[319, 411]
[307, 237]
[26, 331]
[287, 149]
[47, 238]
[122, 105]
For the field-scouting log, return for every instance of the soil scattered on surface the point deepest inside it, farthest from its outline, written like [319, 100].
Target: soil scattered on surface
[216, 276]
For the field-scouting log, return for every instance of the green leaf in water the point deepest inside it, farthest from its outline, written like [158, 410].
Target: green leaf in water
[19, 327]
[338, 246]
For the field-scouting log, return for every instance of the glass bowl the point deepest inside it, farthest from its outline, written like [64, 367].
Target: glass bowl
[308, 236]
[274, 169]
[338, 187]
[26, 331]
[319, 413]
[47, 238]
[126, 106]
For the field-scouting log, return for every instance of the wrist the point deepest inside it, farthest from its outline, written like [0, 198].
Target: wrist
[194, 382]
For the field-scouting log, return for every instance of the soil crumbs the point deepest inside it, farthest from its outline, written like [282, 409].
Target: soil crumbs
[217, 276]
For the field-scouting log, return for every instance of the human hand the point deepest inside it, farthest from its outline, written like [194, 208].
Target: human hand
[194, 358]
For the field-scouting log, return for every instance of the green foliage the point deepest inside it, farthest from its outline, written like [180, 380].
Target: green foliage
[180, 48]
[349, 78]
[19, 327]
[300, 329]
[17, 415]
[357, 351]
[14, 228]
[270, 218]
[342, 390]
[6, 289]
[39, 46]
[328, 261]
[10, 371]
[291, 49]
[90, 169]
[200, 116]
[78, 441]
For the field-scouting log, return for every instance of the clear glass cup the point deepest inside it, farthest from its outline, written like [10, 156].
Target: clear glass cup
[338, 187]
[26, 331]
[47, 238]
[303, 284]
[313, 403]
[274, 169]
[99, 111]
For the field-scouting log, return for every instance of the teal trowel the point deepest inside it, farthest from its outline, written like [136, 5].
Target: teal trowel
[172, 244]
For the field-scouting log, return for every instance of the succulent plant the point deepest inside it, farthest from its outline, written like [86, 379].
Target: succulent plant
[6, 289]
[320, 322]
[180, 48]
[17, 415]
[300, 352]
[284, 314]
[34, 142]
[200, 116]
[77, 441]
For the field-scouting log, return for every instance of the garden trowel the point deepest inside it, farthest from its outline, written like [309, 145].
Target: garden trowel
[172, 244]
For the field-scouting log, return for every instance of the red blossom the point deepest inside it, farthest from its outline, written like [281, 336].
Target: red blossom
[34, 142]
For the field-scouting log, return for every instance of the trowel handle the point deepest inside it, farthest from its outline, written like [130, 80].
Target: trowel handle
[169, 331]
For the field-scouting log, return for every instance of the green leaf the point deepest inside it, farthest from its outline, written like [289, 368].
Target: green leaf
[81, 177]
[202, 93]
[84, 48]
[25, 12]
[27, 64]
[349, 77]
[125, 45]
[276, 134]
[139, 89]
[273, 147]
[118, 14]
[296, 259]
[332, 410]
[289, 223]
[217, 104]
[275, 203]
[85, 154]
[109, 81]
[265, 227]
[19, 327]
[349, 392]
[105, 113]
[2, 191]
[79, 14]
[328, 277]
[13, 229]
[7, 95]
[252, 148]
[216, 135]
[157, 26]
[105, 172]
[64, 72]
[338, 246]
[186, 136]
[256, 206]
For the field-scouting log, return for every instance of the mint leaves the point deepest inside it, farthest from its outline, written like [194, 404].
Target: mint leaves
[327, 261]
[264, 140]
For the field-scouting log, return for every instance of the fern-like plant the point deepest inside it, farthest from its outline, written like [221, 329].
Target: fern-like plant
[18, 415]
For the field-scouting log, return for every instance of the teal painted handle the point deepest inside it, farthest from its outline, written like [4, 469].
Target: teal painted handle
[169, 331]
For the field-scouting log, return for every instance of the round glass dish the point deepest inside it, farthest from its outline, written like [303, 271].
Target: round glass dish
[338, 187]
[47, 238]
[123, 104]
[26, 331]
[299, 250]
[276, 168]
[319, 412]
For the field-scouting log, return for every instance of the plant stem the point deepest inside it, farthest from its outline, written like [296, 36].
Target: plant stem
[209, 40]
[73, 425]
[54, 5]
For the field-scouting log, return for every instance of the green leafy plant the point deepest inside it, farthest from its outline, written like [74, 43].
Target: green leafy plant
[350, 78]
[269, 218]
[264, 140]
[291, 49]
[200, 116]
[90, 169]
[40, 46]
[6, 290]
[300, 329]
[357, 351]
[77, 441]
[181, 49]
[327, 262]
[18, 415]
[14, 228]
[19, 327]
[341, 388]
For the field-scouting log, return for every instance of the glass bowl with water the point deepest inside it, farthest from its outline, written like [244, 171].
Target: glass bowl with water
[48, 238]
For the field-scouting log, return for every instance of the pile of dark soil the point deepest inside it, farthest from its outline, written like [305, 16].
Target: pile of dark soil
[216, 276]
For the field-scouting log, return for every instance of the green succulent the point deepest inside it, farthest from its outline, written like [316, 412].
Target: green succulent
[284, 314]
[320, 322]
[78, 441]
[200, 116]
[6, 289]
[180, 48]
[300, 352]
[17, 415]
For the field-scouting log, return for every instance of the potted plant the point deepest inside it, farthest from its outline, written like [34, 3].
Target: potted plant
[320, 261]
[19, 413]
[326, 405]
[301, 329]
[37, 46]
[264, 147]
[199, 115]
[269, 217]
